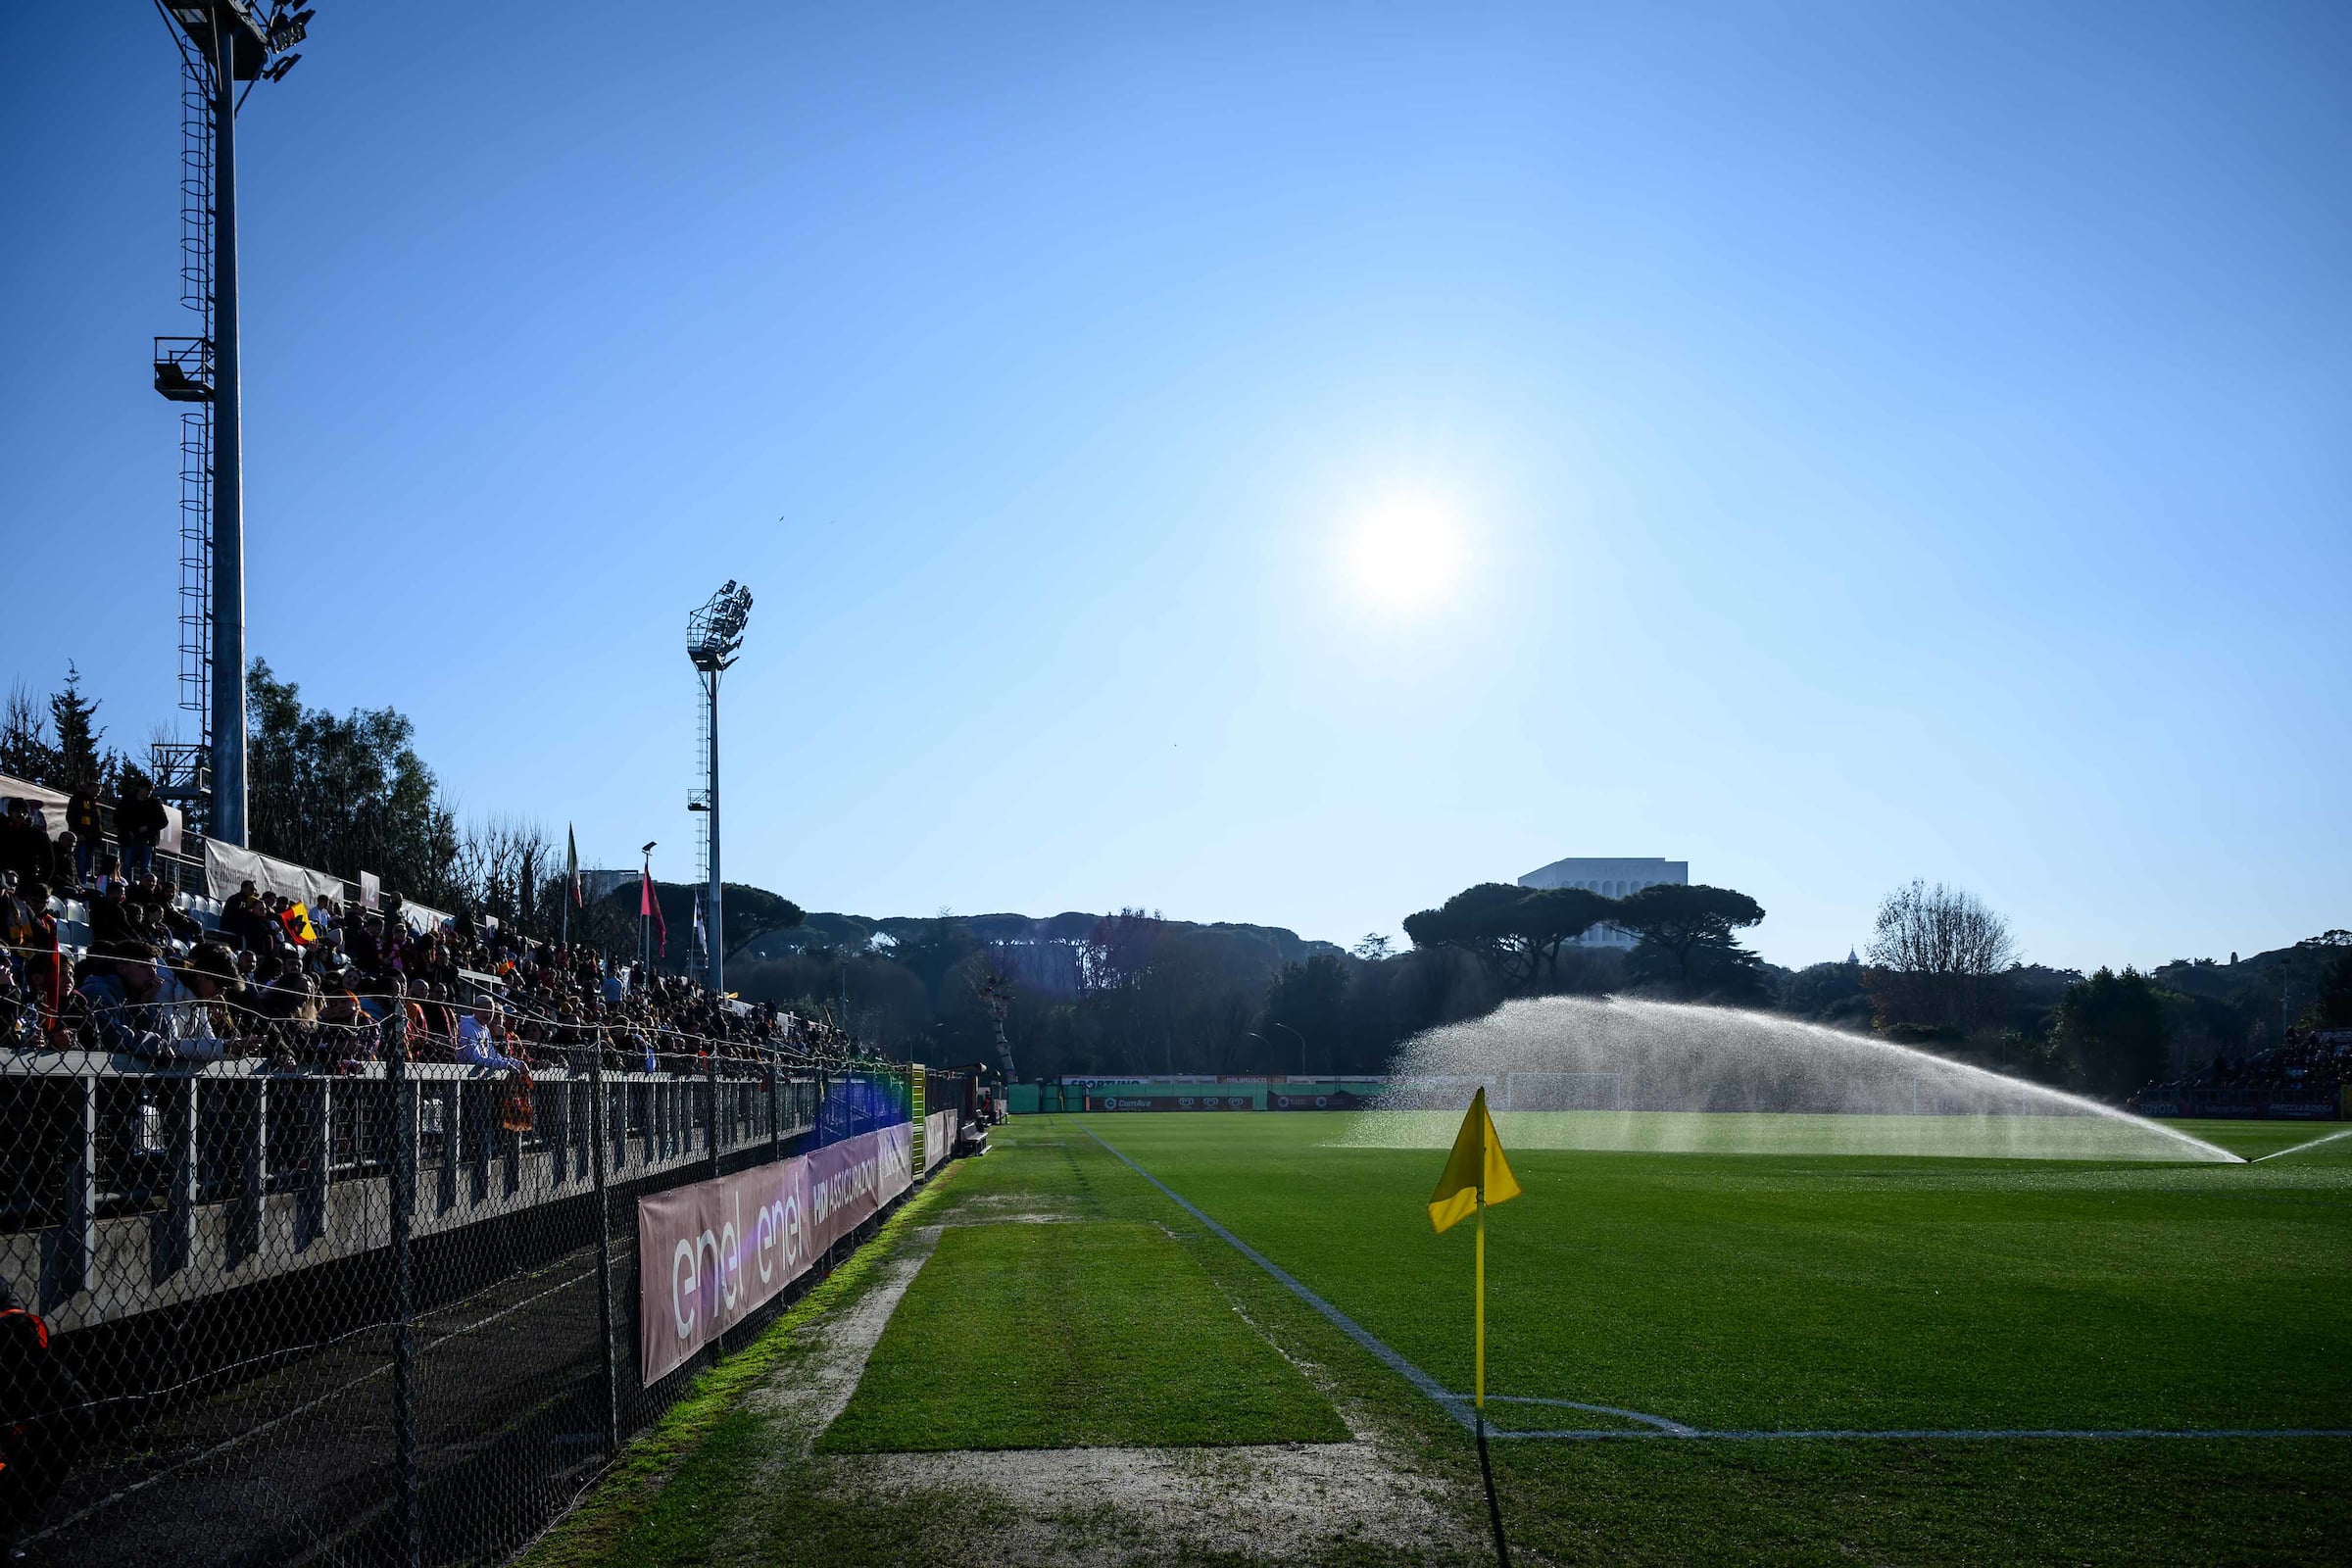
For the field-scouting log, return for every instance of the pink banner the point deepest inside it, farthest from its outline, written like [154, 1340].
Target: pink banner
[710, 1254]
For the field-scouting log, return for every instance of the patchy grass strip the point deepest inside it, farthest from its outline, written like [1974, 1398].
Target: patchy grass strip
[705, 1431]
[1101, 1335]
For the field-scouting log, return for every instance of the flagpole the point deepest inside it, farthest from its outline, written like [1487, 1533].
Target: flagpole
[1486, 1467]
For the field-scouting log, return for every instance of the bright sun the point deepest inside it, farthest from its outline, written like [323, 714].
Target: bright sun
[1405, 552]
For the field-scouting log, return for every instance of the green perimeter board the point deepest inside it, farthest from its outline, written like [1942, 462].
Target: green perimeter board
[1754, 1291]
[1073, 1333]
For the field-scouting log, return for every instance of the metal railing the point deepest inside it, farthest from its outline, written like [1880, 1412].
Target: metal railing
[382, 1314]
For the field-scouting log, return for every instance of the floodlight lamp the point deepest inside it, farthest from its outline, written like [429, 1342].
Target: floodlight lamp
[714, 632]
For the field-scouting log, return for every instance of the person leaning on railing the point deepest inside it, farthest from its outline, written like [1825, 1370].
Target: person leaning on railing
[479, 1040]
[138, 1006]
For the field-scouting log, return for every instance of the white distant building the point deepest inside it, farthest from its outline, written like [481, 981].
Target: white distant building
[1611, 878]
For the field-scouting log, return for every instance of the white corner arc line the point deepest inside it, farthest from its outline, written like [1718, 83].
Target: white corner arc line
[1657, 1426]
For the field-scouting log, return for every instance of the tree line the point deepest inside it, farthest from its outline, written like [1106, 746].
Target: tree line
[339, 793]
[1133, 992]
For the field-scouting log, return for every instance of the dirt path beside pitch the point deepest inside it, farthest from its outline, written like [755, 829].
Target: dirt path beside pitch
[1277, 1502]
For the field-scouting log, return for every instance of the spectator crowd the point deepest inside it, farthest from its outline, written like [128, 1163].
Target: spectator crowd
[2309, 1068]
[312, 987]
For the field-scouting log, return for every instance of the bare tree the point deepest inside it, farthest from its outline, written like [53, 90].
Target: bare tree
[1937, 959]
[25, 747]
[506, 868]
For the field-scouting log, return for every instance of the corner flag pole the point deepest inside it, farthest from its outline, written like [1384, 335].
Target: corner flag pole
[1486, 1467]
[1476, 1174]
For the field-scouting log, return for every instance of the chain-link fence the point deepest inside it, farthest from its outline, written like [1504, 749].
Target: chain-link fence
[354, 1305]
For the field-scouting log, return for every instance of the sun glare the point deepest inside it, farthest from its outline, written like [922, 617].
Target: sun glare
[1405, 554]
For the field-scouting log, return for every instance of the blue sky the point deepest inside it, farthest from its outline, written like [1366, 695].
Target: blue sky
[1830, 444]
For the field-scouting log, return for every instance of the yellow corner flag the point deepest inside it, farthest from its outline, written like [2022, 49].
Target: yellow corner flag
[1476, 1170]
[1476, 1175]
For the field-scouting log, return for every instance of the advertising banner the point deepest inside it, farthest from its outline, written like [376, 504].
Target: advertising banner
[1175, 1103]
[938, 1136]
[1327, 1100]
[226, 865]
[712, 1253]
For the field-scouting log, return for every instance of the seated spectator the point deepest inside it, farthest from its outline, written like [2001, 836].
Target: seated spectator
[290, 1005]
[245, 922]
[19, 1014]
[113, 921]
[181, 926]
[43, 967]
[137, 1008]
[16, 915]
[347, 1035]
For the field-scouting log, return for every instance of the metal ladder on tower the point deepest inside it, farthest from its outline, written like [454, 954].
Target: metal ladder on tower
[184, 374]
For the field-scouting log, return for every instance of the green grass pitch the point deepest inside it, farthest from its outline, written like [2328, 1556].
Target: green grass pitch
[1748, 1291]
[1758, 1291]
[1024, 1336]
[1803, 1292]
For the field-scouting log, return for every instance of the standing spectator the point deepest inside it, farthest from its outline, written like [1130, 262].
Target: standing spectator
[140, 821]
[83, 816]
[24, 845]
[246, 921]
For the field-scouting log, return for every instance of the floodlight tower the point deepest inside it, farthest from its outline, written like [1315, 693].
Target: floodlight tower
[222, 43]
[713, 635]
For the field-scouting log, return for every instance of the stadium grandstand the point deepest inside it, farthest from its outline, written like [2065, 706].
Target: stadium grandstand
[326, 1203]
[2304, 1077]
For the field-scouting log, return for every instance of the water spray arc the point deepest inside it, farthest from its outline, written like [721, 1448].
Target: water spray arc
[222, 43]
[713, 638]
[1668, 1077]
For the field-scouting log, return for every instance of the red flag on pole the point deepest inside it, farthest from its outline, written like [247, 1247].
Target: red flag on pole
[648, 905]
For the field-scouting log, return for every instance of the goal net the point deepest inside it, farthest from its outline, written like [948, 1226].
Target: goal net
[1563, 1091]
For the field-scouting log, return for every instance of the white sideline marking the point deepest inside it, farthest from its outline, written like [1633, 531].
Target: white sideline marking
[1347, 1325]
[2310, 1143]
[1946, 1433]
[1458, 1405]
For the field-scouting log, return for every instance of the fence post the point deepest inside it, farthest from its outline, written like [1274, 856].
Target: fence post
[404, 1279]
[604, 1245]
[775, 1109]
[710, 1104]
